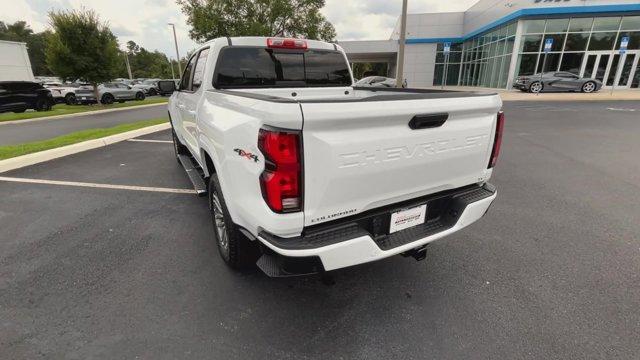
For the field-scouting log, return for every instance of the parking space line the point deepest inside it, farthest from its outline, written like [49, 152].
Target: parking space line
[151, 141]
[96, 185]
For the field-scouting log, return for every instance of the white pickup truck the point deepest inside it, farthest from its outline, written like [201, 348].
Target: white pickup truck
[306, 173]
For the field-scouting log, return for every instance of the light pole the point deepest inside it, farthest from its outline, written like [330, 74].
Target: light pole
[173, 75]
[126, 60]
[403, 30]
[175, 40]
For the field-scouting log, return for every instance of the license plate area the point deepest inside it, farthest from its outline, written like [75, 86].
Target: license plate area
[407, 218]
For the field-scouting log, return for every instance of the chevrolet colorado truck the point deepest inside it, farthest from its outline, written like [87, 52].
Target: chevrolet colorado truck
[307, 173]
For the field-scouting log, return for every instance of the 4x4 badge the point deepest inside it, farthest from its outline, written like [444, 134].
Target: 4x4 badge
[246, 154]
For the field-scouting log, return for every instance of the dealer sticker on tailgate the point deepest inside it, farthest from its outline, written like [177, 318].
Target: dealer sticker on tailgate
[407, 218]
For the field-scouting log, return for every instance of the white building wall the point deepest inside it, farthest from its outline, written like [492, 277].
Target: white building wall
[419, 64]
[432, 25]
[14, 62]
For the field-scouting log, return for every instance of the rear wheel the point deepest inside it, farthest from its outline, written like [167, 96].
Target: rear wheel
[107, 99]
[43, 104]
[589, 87]
[70, 99]
[535, 87]
[235, 249]
[153, 92]
[139, 96]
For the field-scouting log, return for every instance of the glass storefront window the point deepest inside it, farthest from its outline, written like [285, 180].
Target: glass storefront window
[527, 64]
[551, 64]
[530, 43]
[606, 24]
[576, 42]
[533, 26]
[580, 24]
[613, 70]
[511, 29]
[509, 45]
[630, 23]
[557, 26]
[602, 41]
[634, 40]
[572, 62]
[558, 41]
[500, 47]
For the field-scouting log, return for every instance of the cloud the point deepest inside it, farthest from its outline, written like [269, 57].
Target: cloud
[118, 30]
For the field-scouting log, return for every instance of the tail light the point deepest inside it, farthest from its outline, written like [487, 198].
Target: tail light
[281, 43]
[281, 180]
[497, 140]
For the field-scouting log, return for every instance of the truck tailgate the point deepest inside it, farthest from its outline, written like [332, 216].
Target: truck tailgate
[363, 155]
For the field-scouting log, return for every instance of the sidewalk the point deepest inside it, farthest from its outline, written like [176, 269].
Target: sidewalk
[517, 95]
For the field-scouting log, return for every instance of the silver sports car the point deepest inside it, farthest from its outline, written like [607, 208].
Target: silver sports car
[557, 81]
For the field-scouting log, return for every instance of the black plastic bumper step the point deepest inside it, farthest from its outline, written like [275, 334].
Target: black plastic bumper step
[274, 265]
[194, 175]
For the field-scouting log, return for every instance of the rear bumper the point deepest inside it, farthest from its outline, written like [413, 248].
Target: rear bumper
[364, 238]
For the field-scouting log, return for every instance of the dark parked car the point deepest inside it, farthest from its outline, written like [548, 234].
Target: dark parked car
[18, 96]
[557, 81]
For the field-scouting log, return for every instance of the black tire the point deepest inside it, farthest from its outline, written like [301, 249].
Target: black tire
[121, 101]
[235, 249]
[152, 92]
[588, 87]
[70, 99]
[139, 96]
[20, 111]
[107, 99]
[43, 104]
[533, 88]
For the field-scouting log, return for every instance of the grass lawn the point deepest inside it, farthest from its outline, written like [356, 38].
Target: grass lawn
[63, 109]
[10, 151]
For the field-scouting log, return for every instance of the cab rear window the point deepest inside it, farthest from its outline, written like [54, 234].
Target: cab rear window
[255, 67]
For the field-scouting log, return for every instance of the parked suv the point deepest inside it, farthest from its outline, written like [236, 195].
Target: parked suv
[18, 96]
[109, 92]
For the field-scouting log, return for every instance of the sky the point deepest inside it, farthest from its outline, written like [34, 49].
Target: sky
[145, 21]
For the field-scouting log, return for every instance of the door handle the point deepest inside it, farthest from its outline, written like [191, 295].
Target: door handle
[428, 121]
[192, 112]
[181, 106]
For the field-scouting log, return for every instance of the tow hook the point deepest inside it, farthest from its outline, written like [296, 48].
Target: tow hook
[419, 253]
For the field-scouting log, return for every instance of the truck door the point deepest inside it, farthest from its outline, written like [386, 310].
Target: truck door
[190, 99]
[182, 98]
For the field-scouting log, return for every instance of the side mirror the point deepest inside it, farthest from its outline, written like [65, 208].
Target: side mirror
[129, 87]
[166, 86]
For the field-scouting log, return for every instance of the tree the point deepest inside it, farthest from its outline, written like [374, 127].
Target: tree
[21, 32]
[82, 48]
[145, 64]
[291, 18]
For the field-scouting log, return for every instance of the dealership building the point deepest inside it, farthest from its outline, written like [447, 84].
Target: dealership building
[495, 41]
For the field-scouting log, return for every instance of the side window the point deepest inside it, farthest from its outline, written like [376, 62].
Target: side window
[185, 82]
[198, 72]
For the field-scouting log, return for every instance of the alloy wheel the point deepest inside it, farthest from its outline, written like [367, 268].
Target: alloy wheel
[220, 225]
[588, 87]
[536, 87]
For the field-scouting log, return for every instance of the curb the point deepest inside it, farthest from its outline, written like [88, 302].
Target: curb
[46, 155]
[54, 117]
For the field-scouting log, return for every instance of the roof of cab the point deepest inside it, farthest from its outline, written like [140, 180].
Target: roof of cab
[262, 41]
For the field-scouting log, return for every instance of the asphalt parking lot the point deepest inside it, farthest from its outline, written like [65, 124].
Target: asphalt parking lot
[551, 272]
[42, 129]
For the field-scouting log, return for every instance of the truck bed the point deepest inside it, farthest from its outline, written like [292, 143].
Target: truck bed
[356, 94]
